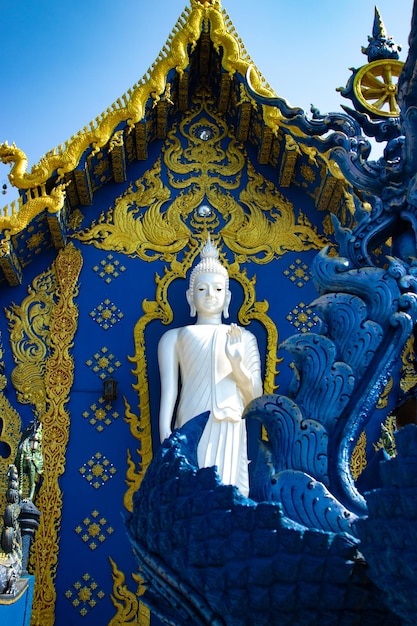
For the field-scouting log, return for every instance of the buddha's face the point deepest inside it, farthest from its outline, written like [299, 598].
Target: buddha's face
[210, 296]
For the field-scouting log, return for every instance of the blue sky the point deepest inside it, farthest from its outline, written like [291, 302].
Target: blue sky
[63, 63]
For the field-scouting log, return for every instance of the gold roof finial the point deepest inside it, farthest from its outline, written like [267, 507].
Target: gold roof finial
[215, 4]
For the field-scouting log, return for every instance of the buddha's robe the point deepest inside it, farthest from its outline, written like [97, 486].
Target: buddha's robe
[207, 384]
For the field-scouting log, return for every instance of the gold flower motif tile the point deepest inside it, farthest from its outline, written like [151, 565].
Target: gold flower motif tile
[100, 414]
[103, 363]
[98, 470]
[109, 268]
[298, 273]
[84, 594]
[302, 318]
[106, 314]
[94, 530]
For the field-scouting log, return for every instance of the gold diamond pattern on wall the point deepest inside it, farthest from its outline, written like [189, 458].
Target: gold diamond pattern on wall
[100, 414]
[103, 363]
[84, 594]
[109, 268]
[94, 530]
[298, 273]
[98, 470]
[106, 314]
[303, 318]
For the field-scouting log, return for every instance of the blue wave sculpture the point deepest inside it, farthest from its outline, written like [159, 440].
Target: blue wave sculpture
[211, 556]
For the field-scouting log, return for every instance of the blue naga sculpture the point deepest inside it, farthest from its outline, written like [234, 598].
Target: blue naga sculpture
[308, 546]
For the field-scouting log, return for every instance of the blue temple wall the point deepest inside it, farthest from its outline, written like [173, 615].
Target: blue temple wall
[93, 485]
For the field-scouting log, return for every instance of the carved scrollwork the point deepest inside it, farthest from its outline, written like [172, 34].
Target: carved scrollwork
[59, 372]
[130, 609]
[147, 221]
[29, 325]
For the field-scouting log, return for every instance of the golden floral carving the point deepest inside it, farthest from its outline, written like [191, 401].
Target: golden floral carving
[382, 402]
[125, 229]
[129, 608]
[408, 370]
[269, 226]
[146, 219]
[358, 460]
[59, 372]
[29, 330]
[29, 325]
[217, 159]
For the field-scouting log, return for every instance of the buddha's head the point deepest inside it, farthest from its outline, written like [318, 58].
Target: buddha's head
[208, 292]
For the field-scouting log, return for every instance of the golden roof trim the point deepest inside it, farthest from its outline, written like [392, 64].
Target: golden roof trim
[173, 55]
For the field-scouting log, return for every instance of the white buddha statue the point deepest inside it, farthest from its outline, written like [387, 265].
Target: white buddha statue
[220, 371]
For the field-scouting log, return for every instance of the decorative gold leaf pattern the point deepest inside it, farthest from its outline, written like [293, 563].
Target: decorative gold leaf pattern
[29, 325]
[358, 460]
[129, 609]
[148, 223]
[59, 372]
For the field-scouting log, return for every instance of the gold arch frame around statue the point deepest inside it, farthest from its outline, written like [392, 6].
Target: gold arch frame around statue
[140, 425]
[160, 309]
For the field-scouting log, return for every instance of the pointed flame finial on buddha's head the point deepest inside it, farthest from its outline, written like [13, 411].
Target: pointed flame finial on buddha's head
[209, 264]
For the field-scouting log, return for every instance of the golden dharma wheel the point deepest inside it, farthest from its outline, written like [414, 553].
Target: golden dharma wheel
[376, 87]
